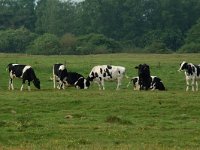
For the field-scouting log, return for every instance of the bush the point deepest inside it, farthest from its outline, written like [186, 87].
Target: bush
[15, 40]
[95, 44]
[190, 48]
[173, 39]
[68, 44]
[46, 44]
[157, 47]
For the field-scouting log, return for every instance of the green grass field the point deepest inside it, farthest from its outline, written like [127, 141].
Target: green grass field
[93, 119]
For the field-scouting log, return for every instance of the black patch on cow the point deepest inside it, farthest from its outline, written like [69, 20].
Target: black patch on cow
[108, 73]
[185, 66]
[96, 75]
[104, 74]
[198, 70]
[119, 72]
[100, 78]
[109, 66]
[101, 70]
[190, 69]
[73, 77]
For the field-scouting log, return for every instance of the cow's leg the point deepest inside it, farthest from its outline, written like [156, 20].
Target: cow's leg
[10, 84]
[118, 83]
[197, 86]
[99, 84]
[193, 82]
[23, 82]
[102, 84]
[29, 87]
[54, 81]
[187, 84]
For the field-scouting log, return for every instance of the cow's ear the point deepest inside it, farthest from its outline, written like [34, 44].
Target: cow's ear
[136, 67]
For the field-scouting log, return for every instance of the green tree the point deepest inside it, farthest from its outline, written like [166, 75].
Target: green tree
[54, 16]
[17, 13]
[12, 40]
[192, 42]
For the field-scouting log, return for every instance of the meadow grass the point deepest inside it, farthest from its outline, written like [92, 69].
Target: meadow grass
[93, 119]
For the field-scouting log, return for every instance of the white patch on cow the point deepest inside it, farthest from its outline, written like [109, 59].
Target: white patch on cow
[85, 86]
[62, 67]
[25, 69]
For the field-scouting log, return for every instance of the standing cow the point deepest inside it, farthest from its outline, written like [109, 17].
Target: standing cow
[106, 72]
[24, 72]
[192, 73]
[59, 75]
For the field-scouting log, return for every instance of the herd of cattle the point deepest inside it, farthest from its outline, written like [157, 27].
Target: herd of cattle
[62, 78]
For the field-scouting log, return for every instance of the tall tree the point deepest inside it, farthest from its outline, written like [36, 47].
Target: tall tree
[17, 13]
[54, 16]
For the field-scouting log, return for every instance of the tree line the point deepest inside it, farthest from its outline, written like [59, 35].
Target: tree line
[99, 26]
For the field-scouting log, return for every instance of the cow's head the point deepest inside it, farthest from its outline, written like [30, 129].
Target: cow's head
[188, 67]
[92, 76]
[82, 83]
[143, 70]
[36, 82]
[183, 66]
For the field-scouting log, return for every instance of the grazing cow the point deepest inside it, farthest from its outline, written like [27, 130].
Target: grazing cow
[156, 83]
[106, 72]
[65, 78]
[192, 73]
[25, 73]
[144, 76]
[59, 75]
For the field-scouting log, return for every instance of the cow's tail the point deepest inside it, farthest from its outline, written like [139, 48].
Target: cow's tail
[128, 84]
[126, 76]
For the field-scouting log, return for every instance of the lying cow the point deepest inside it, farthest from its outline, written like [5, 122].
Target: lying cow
[192, 73]
[77, 80]
[24, 72]
[156, 83]
[65, 78]
[106, 72]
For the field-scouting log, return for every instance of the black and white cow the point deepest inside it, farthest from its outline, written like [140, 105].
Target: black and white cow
[24, 72]
[65, 78]
[192, 73]
[106, 72]
[156, 83]
[144, 76]
[77, 80]
[59, 75]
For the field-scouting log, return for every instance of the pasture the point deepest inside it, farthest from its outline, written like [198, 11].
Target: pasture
[93, 119]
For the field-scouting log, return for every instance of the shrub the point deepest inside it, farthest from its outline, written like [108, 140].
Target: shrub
[190, 48]
[68, 44]
[46, 44]
[96, 43]
[15, 40]
[173, 39]
[157, 47]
